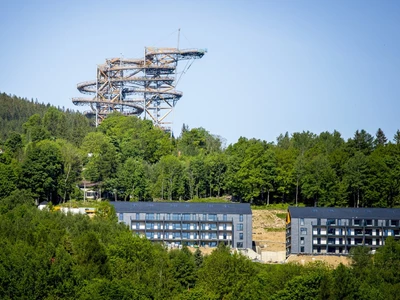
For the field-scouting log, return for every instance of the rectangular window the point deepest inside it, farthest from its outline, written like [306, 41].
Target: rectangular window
[393, 222]
[150, 216]
[357, 222]
[137, 216]
[241, 236]
[240, 227]
[302, 241]
[168, 217]
[175, 217]
[225, 218]
[303, 231]
[302, 221]
[121, 216]
[149, 225]
[302, 249]
[331, 222]
[239, 245]
[204, 217]
[186, 217]
[158, 216]
[240, 218]
[212, 217]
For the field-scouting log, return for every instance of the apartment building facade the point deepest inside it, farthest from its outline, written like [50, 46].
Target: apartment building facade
[326, 230]
[180, 223]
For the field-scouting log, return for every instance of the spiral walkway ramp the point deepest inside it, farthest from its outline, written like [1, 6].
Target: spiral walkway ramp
[138, 87]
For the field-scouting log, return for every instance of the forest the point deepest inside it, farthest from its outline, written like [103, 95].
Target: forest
[49, 151]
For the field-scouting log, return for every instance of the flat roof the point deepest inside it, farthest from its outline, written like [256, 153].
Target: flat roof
[181, 207]
[344, 213]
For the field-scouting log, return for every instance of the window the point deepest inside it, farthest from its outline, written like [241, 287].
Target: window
[225, 218]
[302, 241]
[137, 216]
[175, 217]
[357, 222]
[158, 216]
[368, 223]
[241, 236]
[149, 225]
[240, 227]
[302, 249]
[168, 216]
[331, 222]
[150, 216]
[212, 217]
[121, 216]
[186, 217]
[240, 218]
[301, 221]
[213, 226]
[204, 217]
[239, 245]
[303, 231]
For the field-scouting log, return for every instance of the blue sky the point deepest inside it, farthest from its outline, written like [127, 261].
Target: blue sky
[271, 66]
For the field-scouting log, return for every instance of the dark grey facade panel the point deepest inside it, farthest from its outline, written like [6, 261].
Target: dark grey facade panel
[344, 213]
[181, 207]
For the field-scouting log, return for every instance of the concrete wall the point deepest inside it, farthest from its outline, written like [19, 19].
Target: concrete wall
[273, 256]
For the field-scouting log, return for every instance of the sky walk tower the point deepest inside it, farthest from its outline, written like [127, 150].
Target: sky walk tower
[142, 87]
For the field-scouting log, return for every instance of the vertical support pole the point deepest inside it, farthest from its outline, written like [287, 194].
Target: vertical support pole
[179, 34]
[97, 93]
[144, 83]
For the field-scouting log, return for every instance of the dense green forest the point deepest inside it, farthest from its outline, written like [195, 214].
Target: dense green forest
[48, 151]
[50, 255]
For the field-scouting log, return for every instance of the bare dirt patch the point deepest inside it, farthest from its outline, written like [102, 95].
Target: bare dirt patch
[331, 260]
[269, 229]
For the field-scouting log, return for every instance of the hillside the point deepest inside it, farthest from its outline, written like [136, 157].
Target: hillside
[16, 111]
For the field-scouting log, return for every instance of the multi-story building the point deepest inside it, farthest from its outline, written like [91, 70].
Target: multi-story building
[202, 224]
[326, 230]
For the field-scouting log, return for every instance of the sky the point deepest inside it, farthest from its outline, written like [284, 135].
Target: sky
[271, 67]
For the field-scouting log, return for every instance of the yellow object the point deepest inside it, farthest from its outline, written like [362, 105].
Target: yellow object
[288, 218]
